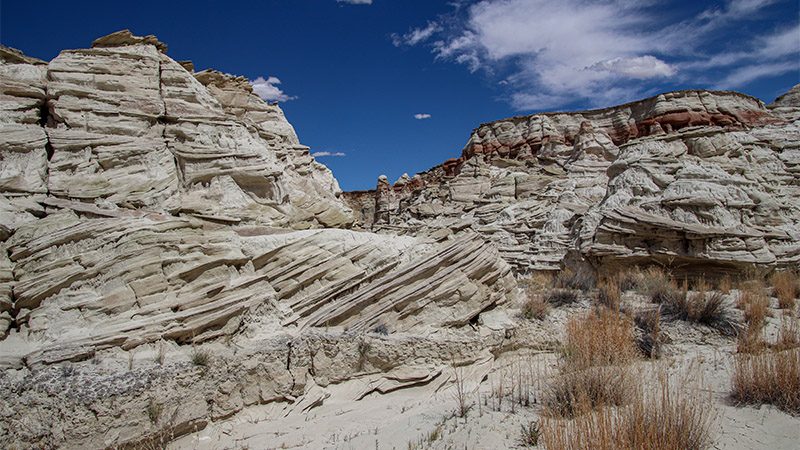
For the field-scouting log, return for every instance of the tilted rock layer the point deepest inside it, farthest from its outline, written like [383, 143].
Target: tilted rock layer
[144, 204]
[694, 179]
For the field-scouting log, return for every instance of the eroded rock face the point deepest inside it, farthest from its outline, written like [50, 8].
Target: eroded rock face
[130, 127]
[693, 179]
[145, 206]
[150, 214]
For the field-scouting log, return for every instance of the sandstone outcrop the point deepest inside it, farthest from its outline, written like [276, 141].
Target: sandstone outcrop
[144, 205]
[171, 254]
[694, 179]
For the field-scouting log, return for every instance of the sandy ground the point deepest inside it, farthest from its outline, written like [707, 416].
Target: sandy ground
[419, 406]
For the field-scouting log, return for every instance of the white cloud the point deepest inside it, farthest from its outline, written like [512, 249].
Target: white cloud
[268, 89]
[554, 53]
[422, 116]
[355, 2]
[774, 46]
[558, 50]
[638, 67]
[416, 35]
[318, 154]
[743, 75]
[735, 9]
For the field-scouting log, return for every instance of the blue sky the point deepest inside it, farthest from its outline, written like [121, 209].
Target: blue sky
[397, 85]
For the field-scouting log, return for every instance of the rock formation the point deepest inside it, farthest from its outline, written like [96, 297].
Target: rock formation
[694, 179]
[168, 243]
[144, 204]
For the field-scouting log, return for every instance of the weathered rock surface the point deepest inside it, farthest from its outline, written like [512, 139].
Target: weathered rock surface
[144, 206]
[130, 127]
[170, 254]
[692, 178]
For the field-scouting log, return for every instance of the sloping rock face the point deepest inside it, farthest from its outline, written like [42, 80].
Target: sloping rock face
[145, 205]
[129, 127]
[693, 179]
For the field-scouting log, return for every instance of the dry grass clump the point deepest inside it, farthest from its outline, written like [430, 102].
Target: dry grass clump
[561, 297]
[788, 335]
[785, 284]
[601, 337]
[649, 340]
[594, 372]
[630, 278]
[708, 308]
[581, 280]
[538, 282]
[201, 358]
[725, 284]
[755, 306]
[609, 293]
[751, 341]
[579, 392]
[662, 419]
[535, 307]
[655, 283]
[769, 377]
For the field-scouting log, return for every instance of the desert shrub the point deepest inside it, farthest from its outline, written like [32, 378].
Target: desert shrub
[581, 280]
[201, 358]
[700, 307]
[661, 419]
[768, 377]
[601, 337]
[649, 340]
[561, 297]
[608, 294]
[785, 287]
[535, 307]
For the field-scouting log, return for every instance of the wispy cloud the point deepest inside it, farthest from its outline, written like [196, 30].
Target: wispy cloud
[551, 54]
[268, 89]
[355, 2]
[319, 154]
[745, 74]
[416, 35]
[422, 116]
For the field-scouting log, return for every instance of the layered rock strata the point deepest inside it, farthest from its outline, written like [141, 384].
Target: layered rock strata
[171, 253]
[122, 125]
[143, 206]
[694, 179]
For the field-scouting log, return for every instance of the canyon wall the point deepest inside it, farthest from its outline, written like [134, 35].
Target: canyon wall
[699, 180]
[165, 239]
[146, 208]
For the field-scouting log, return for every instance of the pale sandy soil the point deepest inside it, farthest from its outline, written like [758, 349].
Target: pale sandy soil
[421, 412]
